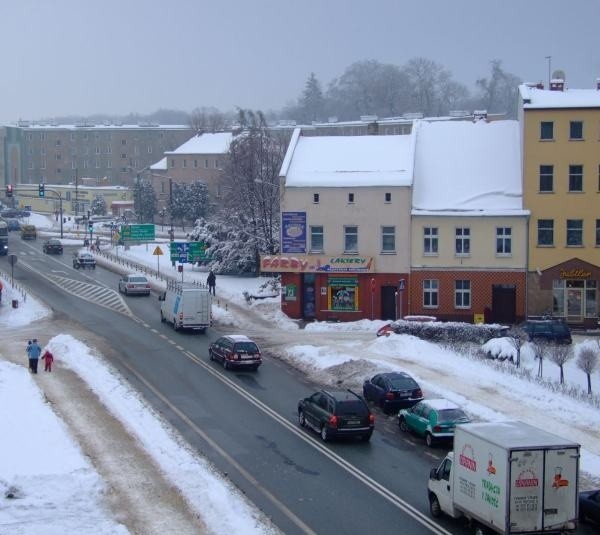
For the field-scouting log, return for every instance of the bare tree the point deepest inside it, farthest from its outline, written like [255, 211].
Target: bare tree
[560, 354]
[587, 361]
[499, 91]
[540, 350]
[206, 120]
[516, 338]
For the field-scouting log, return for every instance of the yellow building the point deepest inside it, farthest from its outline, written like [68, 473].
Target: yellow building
[75, 200]
[561, 188]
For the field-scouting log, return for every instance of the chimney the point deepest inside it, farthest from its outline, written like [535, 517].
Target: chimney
[557, 84]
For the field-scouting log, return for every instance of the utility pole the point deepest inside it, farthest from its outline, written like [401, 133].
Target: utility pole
[172, 232]
[139, 196]
[549, 58]
[76, 192]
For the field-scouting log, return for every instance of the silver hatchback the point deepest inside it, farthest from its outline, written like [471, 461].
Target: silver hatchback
[134, 284]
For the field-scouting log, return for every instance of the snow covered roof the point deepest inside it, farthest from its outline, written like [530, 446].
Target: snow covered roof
[569, 98]
[349, 161]
[161, 165]
[464, 168]
[205, 144]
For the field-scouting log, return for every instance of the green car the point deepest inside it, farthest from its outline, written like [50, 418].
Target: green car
[433, 419]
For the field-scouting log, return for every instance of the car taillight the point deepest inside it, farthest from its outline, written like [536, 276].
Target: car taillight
[333, 421]
[389, 395]
[437, 429]
[418, 393]
[371, 419]
[237, 356]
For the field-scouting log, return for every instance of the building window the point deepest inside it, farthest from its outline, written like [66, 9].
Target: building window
[85, 164]
[546, 130]
[597, 232]
[574, 232]
[350, 198]
[123, 142]
[184, 163]
[342, 294]
[351, 239]
[462, 294]
[97, 164]
[388, 239]
[576, 178]
[545, 232]
[43, 151]
[172, 163]
[73, 165]
[57, 143]
[58, 170]
[216, 163]
[58, 156]
[85, 136]
[195, 164]
[30, 137]
[136, 151]
[576, 130]
[206, 164]
[43, 136]
[430, 241]
[43, 165]
[503, 240]
[388, 197]
[72, 136]
[29, 151]
[109, 164]
[316, 198]
[463, 241]
[149, 150]
[123, 156]
[430, 293]
[546, 178]
[162, 187]
[31, 165]
[108, 149]
[316, 239]
[97, 150]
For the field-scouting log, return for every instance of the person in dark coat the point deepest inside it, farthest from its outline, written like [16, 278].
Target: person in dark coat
[34, 355]
[211, 280]
[48, 359]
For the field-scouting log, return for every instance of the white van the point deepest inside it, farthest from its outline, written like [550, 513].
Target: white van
[186, 306]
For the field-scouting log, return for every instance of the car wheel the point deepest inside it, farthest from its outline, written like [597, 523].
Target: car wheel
[402, 424]
[301, 419]
[210, 355]
[480, 530]
[324, 434]
[434, 506]
[225, 364]
[429, 440]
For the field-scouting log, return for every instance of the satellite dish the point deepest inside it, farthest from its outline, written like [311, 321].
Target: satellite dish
[559, 75]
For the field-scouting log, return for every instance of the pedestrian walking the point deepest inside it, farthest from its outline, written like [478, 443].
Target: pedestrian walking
[28, 351]
[211, 280]
[48, 359]
[34, 354]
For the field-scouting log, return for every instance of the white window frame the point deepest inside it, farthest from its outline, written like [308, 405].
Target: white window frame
[430, 238]
[347, 235]
[431, 289]
[314, 232]
[386, 232]
[462, 294]
[462, 236]
[503, 241]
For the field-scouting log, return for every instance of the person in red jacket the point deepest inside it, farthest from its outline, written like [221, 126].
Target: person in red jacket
[48, 360]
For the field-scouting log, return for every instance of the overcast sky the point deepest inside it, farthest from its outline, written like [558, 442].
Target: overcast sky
[74, 57]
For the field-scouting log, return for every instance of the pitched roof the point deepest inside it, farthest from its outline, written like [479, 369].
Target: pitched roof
[205, 144]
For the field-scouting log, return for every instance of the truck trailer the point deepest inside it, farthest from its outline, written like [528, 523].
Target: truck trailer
[508, 478]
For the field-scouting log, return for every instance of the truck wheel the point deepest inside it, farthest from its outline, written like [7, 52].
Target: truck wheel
[434, 506]
[429, 440]
[480, 530]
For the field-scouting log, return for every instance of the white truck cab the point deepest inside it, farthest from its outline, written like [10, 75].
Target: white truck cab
[186, 306]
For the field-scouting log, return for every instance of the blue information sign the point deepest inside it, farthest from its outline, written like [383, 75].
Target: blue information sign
[293, 232]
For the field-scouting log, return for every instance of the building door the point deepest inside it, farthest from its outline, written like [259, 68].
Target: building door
[388, 302]
[504, 304]
[308, 296]
[574, 304]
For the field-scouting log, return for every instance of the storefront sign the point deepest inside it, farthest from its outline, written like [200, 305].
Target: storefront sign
[343, 294]
[293, 232]
[316, 264]
[575, 274]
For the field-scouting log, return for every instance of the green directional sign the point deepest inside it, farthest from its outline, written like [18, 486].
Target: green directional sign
[188, 252]
[137, 233]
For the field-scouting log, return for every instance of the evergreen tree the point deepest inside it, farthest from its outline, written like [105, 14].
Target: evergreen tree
[98, 206]
[312, 101]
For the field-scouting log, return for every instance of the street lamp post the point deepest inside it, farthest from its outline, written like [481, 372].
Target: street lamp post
[76, 192]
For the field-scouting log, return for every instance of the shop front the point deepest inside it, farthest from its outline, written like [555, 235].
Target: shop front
[574, 289]
[334, 288]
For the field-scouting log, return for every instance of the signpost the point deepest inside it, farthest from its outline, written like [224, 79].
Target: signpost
[158, 253]
[12, 260]
[138, 233]
[401, 286]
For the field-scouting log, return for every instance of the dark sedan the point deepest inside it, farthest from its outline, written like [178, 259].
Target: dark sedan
[52, 246]
[589, 505]
[392, 391]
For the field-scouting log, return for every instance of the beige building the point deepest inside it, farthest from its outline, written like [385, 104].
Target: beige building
[561, 188]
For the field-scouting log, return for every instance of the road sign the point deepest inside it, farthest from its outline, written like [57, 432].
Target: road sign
[138, 233]
[401, 284]
[187, 252]
[157, 251]
[12, 259]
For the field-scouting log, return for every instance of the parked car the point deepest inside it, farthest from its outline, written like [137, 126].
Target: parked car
[13, 224]
[134, 284]
[28, 232]
[589, 505]
[433, 419]
[52, 246]
[336, 413]
[10, 212]
[552, 330]
[392, 391]
[83, 259]
[236, 351]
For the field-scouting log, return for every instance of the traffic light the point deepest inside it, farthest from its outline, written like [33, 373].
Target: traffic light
[90, 227]
[41, 190]
[9, 190]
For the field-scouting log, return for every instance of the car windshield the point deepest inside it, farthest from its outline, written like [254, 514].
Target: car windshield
[451, 415]
[351, 408]
[246, 347]
[559, 328]
[403, 383]
[138, 279]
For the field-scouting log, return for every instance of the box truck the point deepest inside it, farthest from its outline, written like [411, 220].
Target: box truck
[508, 477]
[186, 306]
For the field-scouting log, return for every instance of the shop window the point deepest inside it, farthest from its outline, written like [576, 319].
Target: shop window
[343, 294]
[576, 130]
[591, 304]
[316, 239]
[576, 178]
[546, 178]
[462, 294]
[545, 232]
[503, 240]
[430, 241]
[597, 232]
[546, 130]
[351, 239]
[463, 241]
[574, 232]
[388, 239]
[430, 293]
